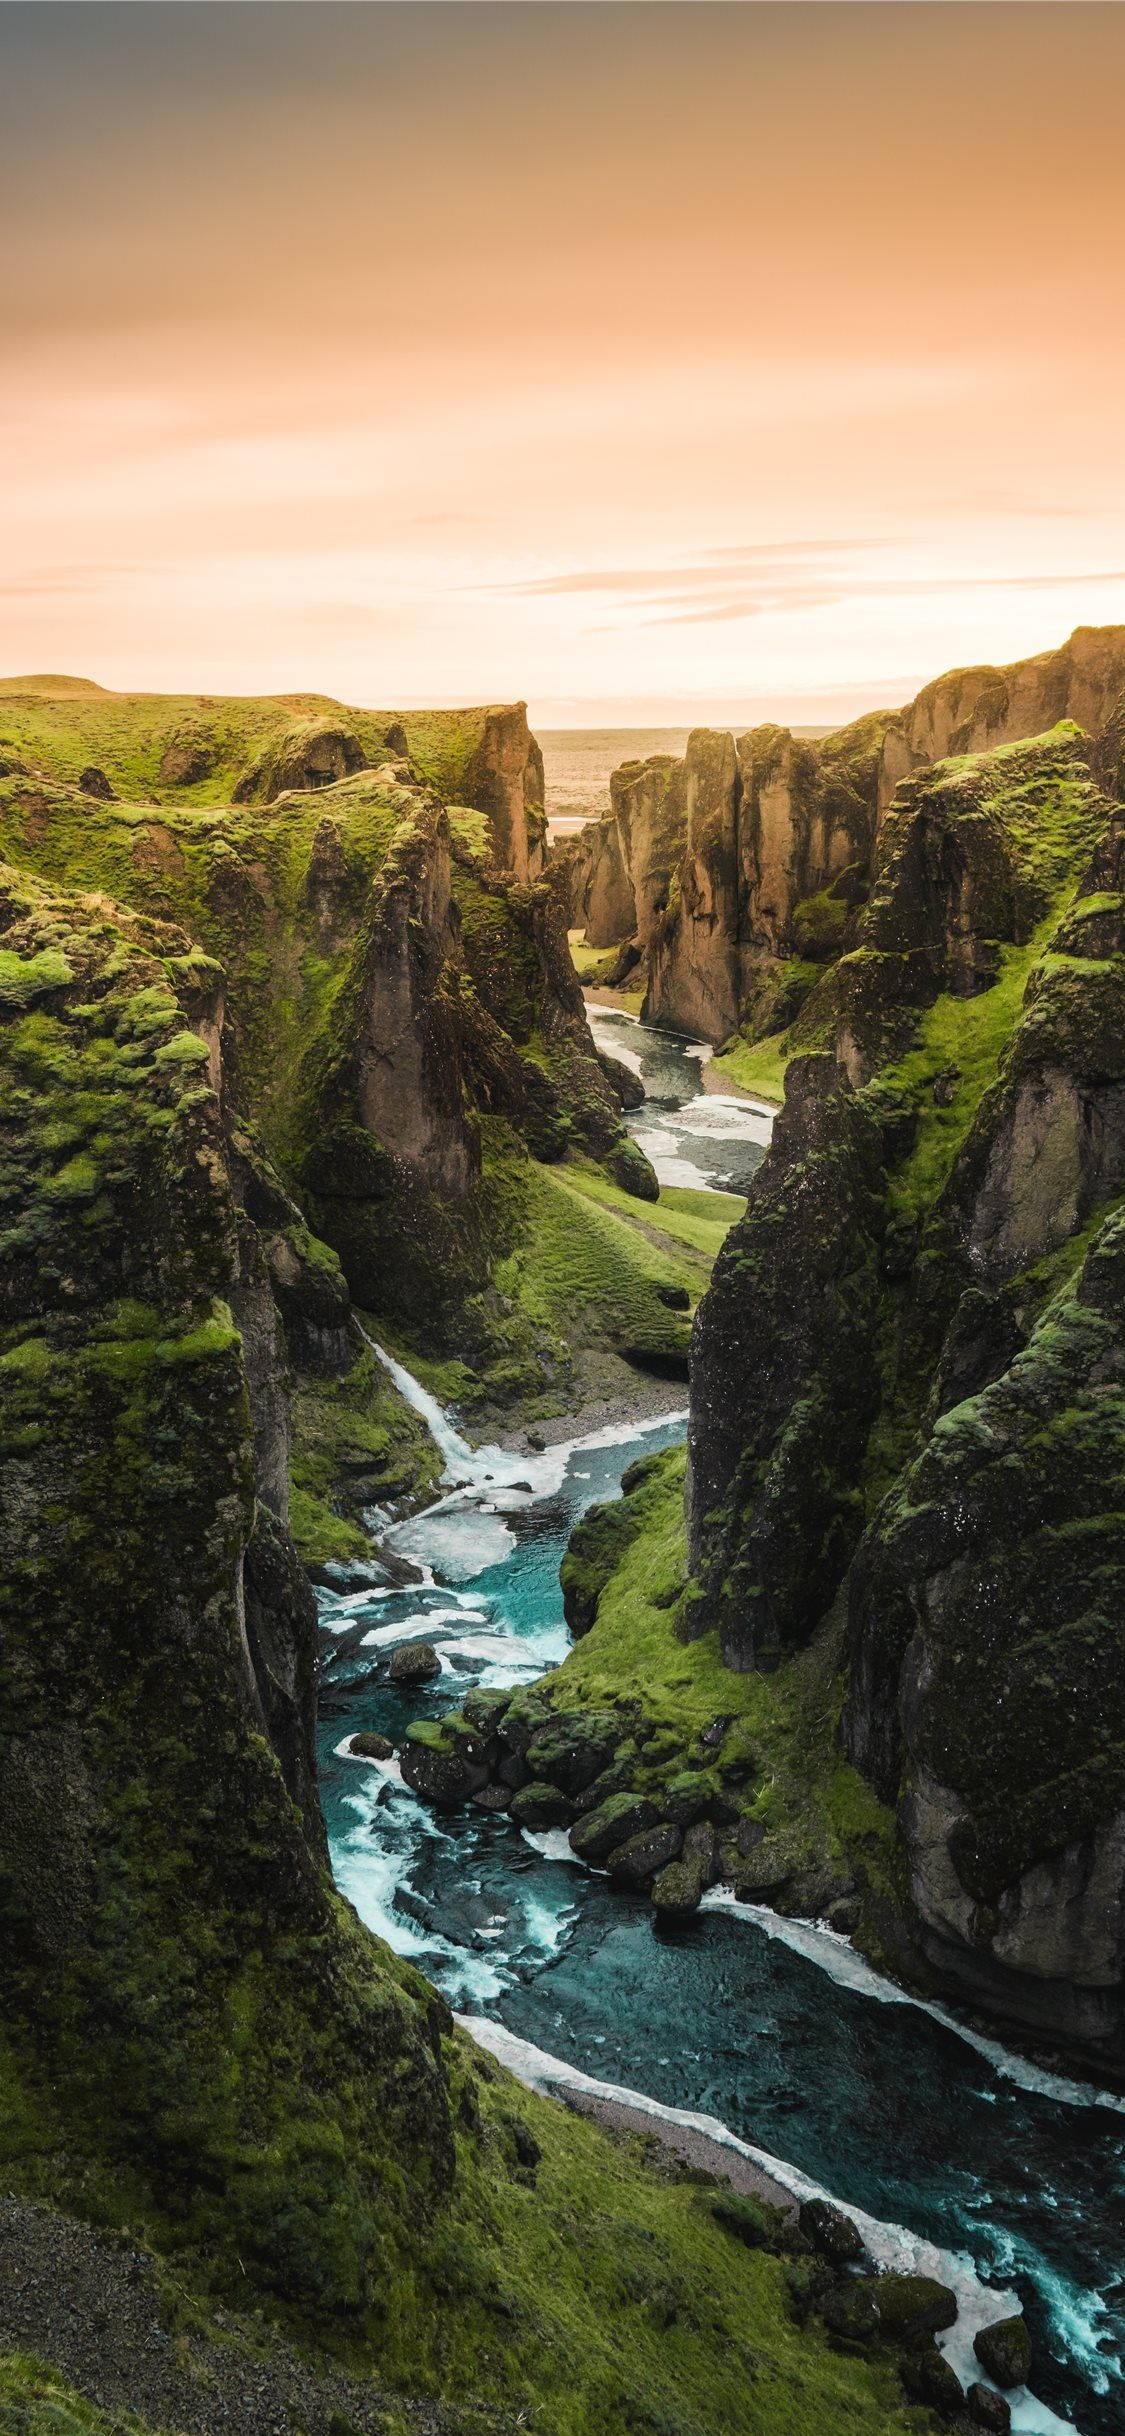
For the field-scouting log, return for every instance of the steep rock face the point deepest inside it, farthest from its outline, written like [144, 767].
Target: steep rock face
[505, 781]
[693, 978]
[774, 885]
[185, 2001]
[974, 709]
[971, 856]
[361, 1023]
[623, 866]
[783, 1390]
[915, 1291]
[407, 1049]
[987, 1608]
[1049, 1145]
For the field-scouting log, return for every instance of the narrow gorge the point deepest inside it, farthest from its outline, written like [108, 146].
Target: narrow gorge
[564, 1546]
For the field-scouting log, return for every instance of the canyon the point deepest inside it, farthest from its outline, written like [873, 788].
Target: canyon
[302, 1107]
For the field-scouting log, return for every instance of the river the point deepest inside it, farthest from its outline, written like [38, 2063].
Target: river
[776, 2029]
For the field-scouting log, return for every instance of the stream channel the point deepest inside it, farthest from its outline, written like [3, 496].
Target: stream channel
[954, 2154]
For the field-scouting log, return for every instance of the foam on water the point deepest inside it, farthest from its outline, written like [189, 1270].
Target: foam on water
[494, 1632]
[835, 1954]
[891, 2246]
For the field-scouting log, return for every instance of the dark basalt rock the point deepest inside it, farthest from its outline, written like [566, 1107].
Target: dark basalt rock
[678, 1888]
[628, 1086]
[830, 2232]
[624, 1815]
[435, 1769]
[573, 1749]
[541, 1805]
[988, 2409]
[928, 2377]
[414, 1662]
[1004, 2351]
[784, 1385]
[889, 2308]
[643, 1856]
[94, 782]
[371, 1746]
[676, 1298]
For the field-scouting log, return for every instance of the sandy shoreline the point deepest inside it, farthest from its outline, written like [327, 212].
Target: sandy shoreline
[695, 2148]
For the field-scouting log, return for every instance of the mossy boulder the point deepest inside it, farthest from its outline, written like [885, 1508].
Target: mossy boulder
[541, 1805]
[641, 1857]
[625, 1814]
[830, 2232]
[437, 1770]
[677, 1889]
[1004, 2351]
[889, 2308]
[573, 1749]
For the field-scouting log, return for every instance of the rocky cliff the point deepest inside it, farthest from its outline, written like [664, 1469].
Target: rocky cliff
[908, 1378]
[740, 872]
[202, 749]
[251, 2171]
[186, 2005]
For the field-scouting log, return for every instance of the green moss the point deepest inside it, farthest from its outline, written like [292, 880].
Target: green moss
[354, 1444]
[700, 1221]
[781, 1735]
[34, 2401]
[755, 1066]
[24, 978]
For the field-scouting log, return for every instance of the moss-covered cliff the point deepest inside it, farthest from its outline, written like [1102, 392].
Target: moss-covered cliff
[734, 877]
[202, 2051]
[403, 1037]
[904, 1496]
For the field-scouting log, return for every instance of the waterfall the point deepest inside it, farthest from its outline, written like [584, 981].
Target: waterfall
[457, 1455]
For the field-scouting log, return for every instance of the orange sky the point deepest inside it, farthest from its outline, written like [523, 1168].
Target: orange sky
[650, 362]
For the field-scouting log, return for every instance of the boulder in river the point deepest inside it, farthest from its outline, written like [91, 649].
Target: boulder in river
[541, 1805]
[371, 1746]
[678, 1889]
[624, 1815]
[491, 1797]
[414, 1662]
[1004, 2351]
[988, 2409]
[642, 1856]
[433, 1766]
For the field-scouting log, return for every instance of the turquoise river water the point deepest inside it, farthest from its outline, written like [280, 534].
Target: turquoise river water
[957, 2155]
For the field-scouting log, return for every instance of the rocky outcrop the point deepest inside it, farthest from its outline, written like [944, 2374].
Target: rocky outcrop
[622, 867]
[380, 985]
[783, 1390]
[744, 901]
[251, 751]
[505, 781]
[986, 1620]
[927, 1285]
[160, 1842]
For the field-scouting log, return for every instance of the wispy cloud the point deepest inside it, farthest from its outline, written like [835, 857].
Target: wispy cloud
[752, 580]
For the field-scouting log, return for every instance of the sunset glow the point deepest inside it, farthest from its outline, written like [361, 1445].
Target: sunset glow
[676, 359]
